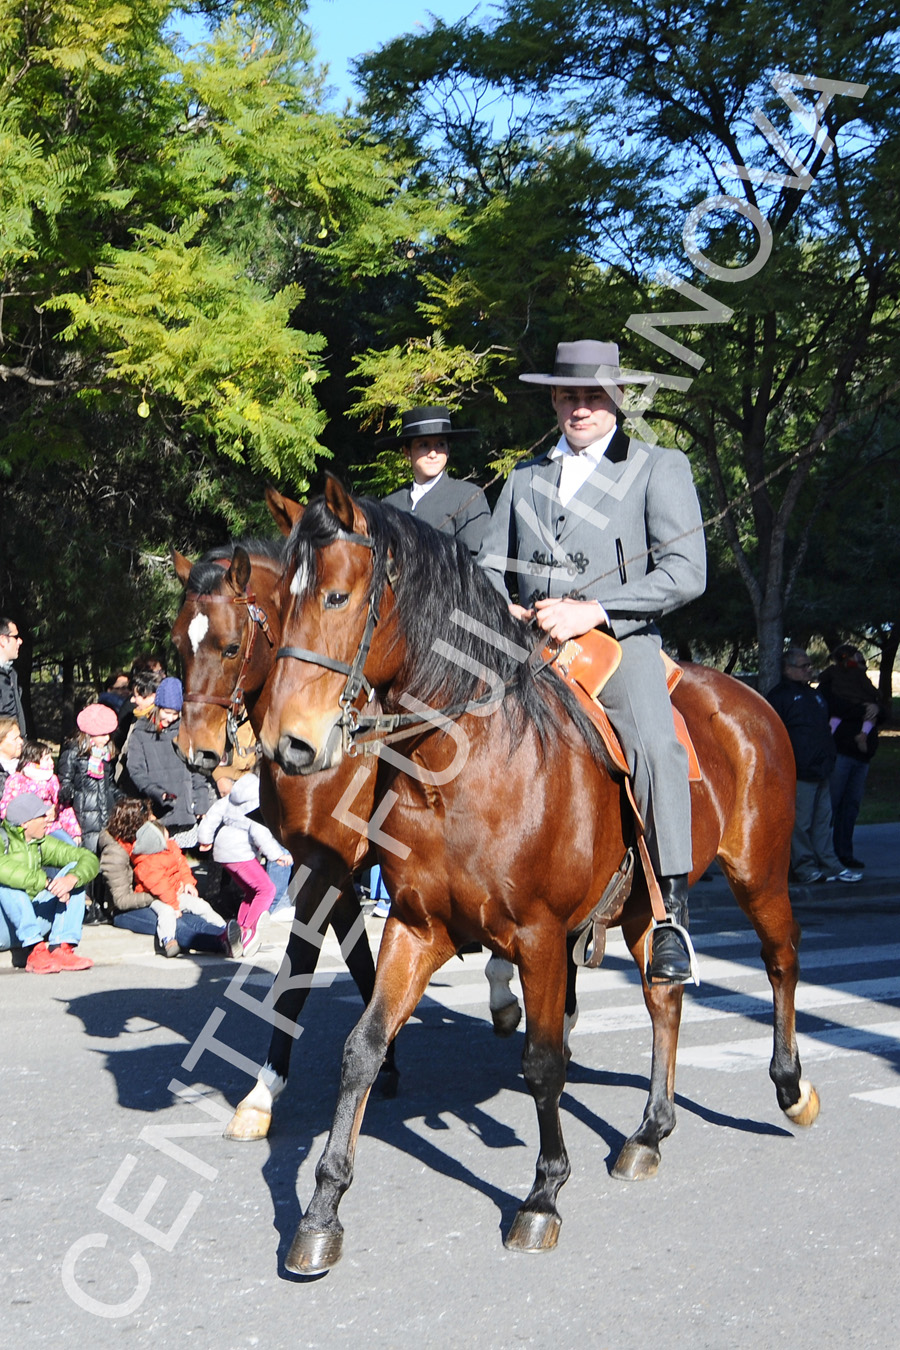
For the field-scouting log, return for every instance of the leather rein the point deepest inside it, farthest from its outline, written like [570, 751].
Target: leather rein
[257, 620]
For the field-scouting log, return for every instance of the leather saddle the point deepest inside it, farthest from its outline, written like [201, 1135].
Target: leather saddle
[585, 664]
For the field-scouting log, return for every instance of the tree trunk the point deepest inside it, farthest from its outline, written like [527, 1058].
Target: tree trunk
[67, 666]
[770, 634]
[886, 669]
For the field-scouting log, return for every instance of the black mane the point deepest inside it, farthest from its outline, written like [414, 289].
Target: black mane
[436, 578]
[207, 572]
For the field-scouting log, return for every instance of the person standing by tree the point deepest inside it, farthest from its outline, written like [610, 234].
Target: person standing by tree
[606, 532]
[10, 696]
[805, 714]
[854, 716]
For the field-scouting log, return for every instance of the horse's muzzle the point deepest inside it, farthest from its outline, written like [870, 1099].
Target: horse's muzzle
[296, 756]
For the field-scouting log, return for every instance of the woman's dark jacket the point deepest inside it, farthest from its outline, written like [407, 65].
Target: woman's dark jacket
[158, 772]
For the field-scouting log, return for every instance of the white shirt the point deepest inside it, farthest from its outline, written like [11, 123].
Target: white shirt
[417, 490]
[577, 468]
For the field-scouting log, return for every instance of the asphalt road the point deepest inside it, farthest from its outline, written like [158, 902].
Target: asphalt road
[754, 1234]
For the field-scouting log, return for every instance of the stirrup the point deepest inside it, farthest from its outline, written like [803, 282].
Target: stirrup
[686, 937]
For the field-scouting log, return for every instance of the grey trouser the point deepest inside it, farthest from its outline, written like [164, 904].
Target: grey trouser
[639, 707]
[812, 849]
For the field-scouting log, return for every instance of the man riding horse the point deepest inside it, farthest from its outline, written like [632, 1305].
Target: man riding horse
[606, 532]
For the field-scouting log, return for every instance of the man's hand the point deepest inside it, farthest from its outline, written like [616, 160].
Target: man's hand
[62, 887]
[519, 612]
[564, 619]
[204, 848]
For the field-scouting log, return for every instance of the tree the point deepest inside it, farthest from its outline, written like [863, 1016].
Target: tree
[631, 116]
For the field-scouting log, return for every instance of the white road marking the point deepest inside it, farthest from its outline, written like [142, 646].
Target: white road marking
[881, 1038]
[881, 1097]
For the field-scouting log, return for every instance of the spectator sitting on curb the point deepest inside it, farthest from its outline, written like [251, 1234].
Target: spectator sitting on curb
[86, 781]
[180, 796]
[161, 869]
[132, 908]
[36, 774]
[37, 906]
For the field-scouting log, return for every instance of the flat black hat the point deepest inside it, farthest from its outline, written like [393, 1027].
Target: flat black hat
[430, 420]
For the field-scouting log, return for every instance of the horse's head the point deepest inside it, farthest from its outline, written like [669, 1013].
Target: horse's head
[226, 633]
[333, 647]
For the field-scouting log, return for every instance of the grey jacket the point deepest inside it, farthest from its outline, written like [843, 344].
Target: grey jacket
[10, 696]
[452, 507]
[179, 796]
[632, 537]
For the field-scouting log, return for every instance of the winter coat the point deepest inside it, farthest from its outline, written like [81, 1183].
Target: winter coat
[236, 838]
[158, 772]
[115, 864]
[160, 867]
[805, 714]
[10, 696]
[48, 791]
[92, 799]
[22, 861]
[847, 692]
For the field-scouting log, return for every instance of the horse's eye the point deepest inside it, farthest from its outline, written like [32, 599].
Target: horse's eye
[231, 651]
[336, 599]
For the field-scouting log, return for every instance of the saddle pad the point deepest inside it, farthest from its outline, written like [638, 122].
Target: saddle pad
[585, 664]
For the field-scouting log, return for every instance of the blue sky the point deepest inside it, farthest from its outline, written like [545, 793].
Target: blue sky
[348, 28]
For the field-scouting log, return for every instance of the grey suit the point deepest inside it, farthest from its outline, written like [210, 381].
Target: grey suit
[632, 539]
[452, 507]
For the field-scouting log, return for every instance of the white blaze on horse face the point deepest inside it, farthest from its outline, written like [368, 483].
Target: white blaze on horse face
[197, 630]
[298, 581]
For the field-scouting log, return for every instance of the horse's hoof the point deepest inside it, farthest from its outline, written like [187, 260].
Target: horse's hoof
[636, 1162]
[247, 1123]
[806, 1109]
[312, 1253]
[388, 1082]
[507, 1018]
[532, 1231]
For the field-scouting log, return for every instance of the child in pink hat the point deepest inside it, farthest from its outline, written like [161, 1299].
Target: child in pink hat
[86, 773]
[36, 773]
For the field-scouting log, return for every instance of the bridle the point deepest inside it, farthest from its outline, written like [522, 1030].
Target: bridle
[378, 728]
[257, 619]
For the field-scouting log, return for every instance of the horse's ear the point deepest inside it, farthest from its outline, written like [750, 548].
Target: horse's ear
[238, 574]
[284, 512]
[182, 566]
[339, 501]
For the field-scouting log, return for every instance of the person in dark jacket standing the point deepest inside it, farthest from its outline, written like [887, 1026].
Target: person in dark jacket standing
[451, 506]
[805, 714]
[855, 713]
[10, 698]
[86, 781]
[157, 771]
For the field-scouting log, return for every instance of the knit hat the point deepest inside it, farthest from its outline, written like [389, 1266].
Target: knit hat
[149, 839]
[170, 694]
[97, 720]
[27, 806]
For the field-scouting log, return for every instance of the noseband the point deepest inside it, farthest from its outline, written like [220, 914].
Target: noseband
[256, 619]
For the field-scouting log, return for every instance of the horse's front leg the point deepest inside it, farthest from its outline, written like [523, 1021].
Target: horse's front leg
[351, 933]
[406, 963]
[537, 1223]
[315, 904]
[639, 1158]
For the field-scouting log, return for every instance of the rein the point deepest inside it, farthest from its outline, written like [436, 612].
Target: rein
[256, 619]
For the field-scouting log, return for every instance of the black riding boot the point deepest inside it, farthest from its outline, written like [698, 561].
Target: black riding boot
[670, 962]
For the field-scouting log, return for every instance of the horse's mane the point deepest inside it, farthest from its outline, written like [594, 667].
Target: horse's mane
[436, 578]
[207, 572]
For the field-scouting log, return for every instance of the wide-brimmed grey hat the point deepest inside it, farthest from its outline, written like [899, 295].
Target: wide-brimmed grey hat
[587, 364]
[430, 420]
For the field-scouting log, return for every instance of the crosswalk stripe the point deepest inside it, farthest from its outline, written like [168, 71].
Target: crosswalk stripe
[882, 1097]
[814, 1046]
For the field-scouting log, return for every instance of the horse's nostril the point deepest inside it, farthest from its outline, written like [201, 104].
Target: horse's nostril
[204, 761]
[294, 754]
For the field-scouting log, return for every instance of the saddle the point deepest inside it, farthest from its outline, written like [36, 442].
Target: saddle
[585, 664]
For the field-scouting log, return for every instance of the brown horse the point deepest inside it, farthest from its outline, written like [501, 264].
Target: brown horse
[504, 822]
[226, 634]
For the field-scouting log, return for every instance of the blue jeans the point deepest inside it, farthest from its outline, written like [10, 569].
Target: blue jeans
[279, 874]
[31, 921]
[847, 784]
[192, 933]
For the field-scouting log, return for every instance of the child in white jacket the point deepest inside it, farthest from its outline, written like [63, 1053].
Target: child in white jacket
[238, 843]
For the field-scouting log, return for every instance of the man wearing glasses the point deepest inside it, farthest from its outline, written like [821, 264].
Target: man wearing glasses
[10, 698]
[805, 714]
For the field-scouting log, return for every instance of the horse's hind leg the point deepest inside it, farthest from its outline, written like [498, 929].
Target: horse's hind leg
[537, 1223]
[769, 910]
[405, 965]
[640, 1156]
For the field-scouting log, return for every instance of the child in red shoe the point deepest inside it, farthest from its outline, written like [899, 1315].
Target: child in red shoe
[38, 906]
